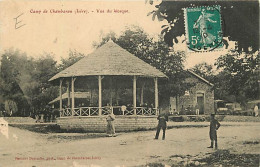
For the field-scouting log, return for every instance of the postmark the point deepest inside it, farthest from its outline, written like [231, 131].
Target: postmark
[203, 28]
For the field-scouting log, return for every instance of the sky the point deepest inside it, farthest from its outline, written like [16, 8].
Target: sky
[25, 26]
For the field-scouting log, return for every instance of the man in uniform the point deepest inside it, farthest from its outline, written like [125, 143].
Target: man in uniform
[214, 125]
[163, 118]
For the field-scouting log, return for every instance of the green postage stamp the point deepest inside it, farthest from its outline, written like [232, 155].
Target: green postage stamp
[203, 28]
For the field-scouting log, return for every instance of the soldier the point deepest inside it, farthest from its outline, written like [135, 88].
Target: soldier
[214, 125]
[163, 118]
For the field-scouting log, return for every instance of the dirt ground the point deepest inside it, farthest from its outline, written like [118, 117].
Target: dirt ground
[182, 147]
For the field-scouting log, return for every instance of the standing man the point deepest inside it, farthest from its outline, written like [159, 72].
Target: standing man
[37, 115]
[197, 108]
[110, 124]
[214, 125]
[256, 110]
[163, 118]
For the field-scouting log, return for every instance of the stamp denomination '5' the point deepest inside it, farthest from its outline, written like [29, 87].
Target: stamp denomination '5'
[203, 28]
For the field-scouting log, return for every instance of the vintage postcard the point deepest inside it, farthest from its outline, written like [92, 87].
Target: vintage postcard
[137, 83]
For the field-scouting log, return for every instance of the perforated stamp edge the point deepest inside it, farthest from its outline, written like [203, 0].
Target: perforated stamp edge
[217, 49]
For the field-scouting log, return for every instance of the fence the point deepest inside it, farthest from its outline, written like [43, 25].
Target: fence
[117, 110]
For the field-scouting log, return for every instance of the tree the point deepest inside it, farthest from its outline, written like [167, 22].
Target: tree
[156, 53]
[24, 80]
[244, 30]
[74, 56]
[10, 90]
[239, 76]
[205, 70]
[10, 107]
[40, 90]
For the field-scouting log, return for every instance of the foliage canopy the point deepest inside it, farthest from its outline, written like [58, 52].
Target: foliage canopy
[237, 22]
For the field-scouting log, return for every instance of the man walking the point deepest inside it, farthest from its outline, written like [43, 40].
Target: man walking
[163, 118]
[214, 125]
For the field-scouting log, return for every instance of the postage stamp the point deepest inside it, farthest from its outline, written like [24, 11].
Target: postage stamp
[203, 28]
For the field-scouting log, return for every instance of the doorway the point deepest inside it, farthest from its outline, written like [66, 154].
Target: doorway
[200, 101]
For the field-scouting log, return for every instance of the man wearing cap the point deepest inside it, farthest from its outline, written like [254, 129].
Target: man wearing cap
[214, 125]
[163, 118]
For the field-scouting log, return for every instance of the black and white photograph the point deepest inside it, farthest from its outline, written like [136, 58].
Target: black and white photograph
[136, 83]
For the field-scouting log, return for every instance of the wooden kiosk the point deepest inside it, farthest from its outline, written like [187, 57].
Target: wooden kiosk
[111, 78]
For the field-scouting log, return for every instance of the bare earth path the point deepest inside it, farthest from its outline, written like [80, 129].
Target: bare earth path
[27, 149]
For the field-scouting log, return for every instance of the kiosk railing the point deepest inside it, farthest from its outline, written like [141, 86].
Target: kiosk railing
[117, 110]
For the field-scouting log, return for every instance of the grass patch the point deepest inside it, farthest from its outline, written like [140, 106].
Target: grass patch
[40, 128]
[218, 158]
[251, 142]
[155, 164]
[73, 137]
[225, 158]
